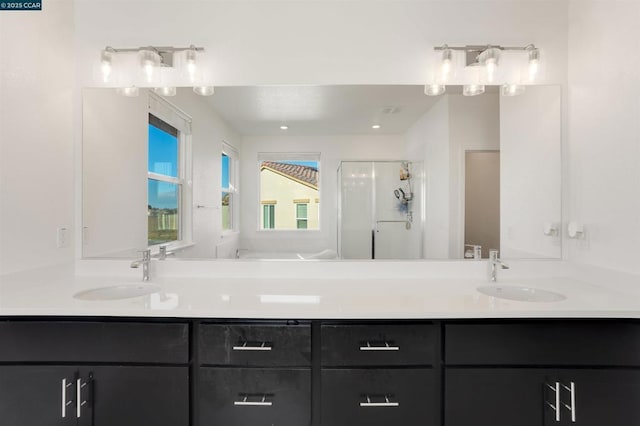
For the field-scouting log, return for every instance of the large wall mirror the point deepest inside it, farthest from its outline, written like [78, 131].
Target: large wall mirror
[322, 172]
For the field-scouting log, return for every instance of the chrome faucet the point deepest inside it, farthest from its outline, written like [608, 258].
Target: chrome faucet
[163, 253]
[146, 259]
[493, 265]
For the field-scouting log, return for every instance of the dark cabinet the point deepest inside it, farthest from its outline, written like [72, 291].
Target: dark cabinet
[37, 396]
[596, 397]
[104, 380]
[379, 397]
[254, 396]
[499, 397]
[134, 395]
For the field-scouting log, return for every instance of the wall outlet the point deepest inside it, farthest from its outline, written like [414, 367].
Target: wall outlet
[62, 237]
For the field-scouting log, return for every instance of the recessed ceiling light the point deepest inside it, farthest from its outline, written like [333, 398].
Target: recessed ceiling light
[375, 126]
[284, 127]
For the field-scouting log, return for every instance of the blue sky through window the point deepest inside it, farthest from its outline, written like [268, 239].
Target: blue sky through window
[163, 159]
[313, 164]
[225, 171]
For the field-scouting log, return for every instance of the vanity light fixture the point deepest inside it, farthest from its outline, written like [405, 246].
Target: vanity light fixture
[490, 58]
[434, 89]
[191, 62]
[106, 63]
[130, 92]
[486, 57]
[446, 65]
[512, 89]
[534, 61]
[165, 91]
[473, 89]
[203, 90]
[149, 60]
[161, 68]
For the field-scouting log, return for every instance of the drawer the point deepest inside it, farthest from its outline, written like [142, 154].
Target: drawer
[253, 396]
[381, 345]
[560, 343]
[78, 341]
[277, 345]
[381, 397]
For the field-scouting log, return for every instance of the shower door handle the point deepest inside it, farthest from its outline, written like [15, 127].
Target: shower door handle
[373, 244]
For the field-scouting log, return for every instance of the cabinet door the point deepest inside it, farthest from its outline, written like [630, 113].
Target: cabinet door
[500, 397]
[601, 397]
[37, 396]
[134, 396]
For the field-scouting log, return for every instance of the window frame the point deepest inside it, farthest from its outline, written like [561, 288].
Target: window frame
[233, 189]
[306, 218]
[272, 215]
[178, 119]
[284, 157]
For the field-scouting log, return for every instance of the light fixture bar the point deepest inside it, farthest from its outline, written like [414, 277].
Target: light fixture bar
[157, 49]
[480, 48]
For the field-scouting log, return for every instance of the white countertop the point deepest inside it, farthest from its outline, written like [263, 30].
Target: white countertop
[283, 290]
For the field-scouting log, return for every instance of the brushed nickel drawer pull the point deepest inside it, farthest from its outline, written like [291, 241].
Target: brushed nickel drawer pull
[555, 407]
[65, 403]
[386, 403]
[386, 347]
[245, 347]
[572, 407]
[261, 403]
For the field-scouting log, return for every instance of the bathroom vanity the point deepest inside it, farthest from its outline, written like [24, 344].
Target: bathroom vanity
[175, 372]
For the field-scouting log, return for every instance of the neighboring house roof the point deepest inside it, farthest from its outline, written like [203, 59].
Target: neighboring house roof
[303, 174]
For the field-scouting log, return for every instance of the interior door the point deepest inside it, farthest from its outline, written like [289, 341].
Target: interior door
[482, 200]
[37, 396]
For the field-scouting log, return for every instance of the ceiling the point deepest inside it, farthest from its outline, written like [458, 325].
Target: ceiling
[321, 110]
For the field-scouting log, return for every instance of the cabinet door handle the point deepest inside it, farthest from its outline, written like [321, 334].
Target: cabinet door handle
[386, 403]
[555, 407]
[261, 402]
[65, 403]
[572, 408]
[246, 347]
[385, 347]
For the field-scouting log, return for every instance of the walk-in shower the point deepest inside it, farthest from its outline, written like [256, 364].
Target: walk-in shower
[380, 210]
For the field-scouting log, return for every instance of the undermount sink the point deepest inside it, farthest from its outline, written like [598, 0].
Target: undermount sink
[521, 293]
[120, 291]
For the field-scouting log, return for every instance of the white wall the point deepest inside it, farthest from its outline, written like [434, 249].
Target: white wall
[332, 150]
[114, 173]
[474, 125]
[209, 131]
[428, 142]
[36, 136]
[322, 42]
[440, 138]
[530, 173]
[115, 132]
[604, 132]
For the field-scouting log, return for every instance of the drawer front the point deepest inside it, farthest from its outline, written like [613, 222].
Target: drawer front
[71, 341]
[382, 397]
[544, 343]
[253, 396]
[275, 345]
[381, 345]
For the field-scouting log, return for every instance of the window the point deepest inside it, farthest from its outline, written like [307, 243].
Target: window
[288, 184]
[268, 216]
[301, 215]
[166, 171]
[229, 161]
